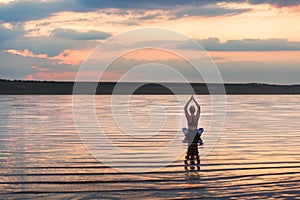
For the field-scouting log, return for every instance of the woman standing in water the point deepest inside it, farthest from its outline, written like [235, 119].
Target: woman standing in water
[192, 119]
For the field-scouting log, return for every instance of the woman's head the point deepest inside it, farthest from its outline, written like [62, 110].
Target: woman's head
[192, 109]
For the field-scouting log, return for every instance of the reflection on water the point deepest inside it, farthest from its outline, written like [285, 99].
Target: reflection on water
[192, 160]
[257, 155]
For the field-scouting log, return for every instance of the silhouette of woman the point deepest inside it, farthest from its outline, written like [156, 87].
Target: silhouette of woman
[192, 133]
[193, 138]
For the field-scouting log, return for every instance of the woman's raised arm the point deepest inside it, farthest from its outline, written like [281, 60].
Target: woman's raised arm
[198, 107]
[186, 107]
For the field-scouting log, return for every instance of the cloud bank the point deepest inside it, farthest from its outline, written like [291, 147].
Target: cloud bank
[214, 44]
[72, 34]
[41, 39]
[25, 10]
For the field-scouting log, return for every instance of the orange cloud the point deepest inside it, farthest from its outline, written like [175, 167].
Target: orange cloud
[25, 53]
[8, 25]
[6, 1]
[68, 56]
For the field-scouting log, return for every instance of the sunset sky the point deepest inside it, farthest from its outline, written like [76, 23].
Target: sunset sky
[249, 40]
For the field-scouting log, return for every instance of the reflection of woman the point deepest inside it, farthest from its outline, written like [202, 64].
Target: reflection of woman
[192, 118]
[192, 159]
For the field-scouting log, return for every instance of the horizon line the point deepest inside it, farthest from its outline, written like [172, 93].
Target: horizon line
[114, 82]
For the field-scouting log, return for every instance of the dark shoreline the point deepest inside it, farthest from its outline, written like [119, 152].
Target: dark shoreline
[105, 88]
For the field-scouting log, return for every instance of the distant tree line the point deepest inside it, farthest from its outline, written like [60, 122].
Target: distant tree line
[16, 80]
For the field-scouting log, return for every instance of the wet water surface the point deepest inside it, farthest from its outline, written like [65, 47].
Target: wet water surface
[257, 155]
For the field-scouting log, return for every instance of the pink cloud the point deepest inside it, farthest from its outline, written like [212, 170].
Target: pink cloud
[72, 57]
[68, 56]
[49, 74]
[28, 77]
[43, 74]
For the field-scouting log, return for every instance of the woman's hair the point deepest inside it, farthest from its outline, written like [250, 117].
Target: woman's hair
[192, 109]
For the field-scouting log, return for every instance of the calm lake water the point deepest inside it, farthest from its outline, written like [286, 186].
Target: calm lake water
[42, 155]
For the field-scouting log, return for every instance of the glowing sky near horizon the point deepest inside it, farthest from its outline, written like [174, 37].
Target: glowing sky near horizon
[250, 41]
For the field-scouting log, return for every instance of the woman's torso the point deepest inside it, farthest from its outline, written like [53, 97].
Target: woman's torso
[193, 123]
